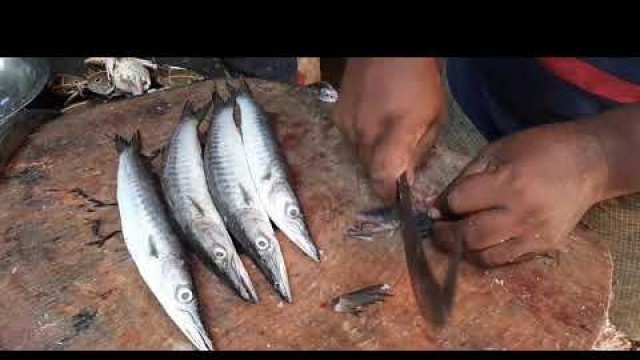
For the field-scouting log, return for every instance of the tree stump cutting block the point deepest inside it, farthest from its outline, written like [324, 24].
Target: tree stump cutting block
[64, 286]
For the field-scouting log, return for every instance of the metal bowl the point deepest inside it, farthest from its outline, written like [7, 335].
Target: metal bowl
[21, 80]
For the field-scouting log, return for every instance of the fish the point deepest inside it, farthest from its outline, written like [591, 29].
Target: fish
[153, 243]
[235, 195]
[270, 173]
[355, 301]
[187, 194]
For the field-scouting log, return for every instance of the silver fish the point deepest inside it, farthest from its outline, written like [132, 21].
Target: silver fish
[235, 196]
[152, 243]
[188, 197]
[269, 172]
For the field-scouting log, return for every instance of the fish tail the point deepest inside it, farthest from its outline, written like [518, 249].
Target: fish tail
[189, 111]
[243, 86]
[218, 101]
[122, 143]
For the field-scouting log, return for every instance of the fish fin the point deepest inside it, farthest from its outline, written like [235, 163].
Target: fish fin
[136, 141]
[245, 195]
[153, 251]
[198, 208]
[122, 143]
[243, 86]
[217, 100]
[267, 176]
[201, 113]
[233, 92]
[237, 117]
[189, 111]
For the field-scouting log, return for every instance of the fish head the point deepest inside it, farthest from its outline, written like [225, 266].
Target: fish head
[181, 305]
[269, 256]
[225, 258]
[289, 218]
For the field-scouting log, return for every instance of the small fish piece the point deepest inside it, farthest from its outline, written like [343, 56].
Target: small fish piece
[385, 221]
[152, 243]
[67, 84]
[128, 74]
[171, 76]
[71, 86]
[99, 83]
[188, 197]
[374, 222]
[323, 91]
[235, 196]
[354, 302]
[270, 174]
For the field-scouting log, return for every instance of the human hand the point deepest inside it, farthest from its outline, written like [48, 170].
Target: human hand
[523, 194]
[389, 109]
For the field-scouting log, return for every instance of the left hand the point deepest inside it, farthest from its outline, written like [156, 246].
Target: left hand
[523, 194]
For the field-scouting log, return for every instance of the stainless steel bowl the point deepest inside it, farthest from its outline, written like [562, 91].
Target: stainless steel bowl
[21, 80]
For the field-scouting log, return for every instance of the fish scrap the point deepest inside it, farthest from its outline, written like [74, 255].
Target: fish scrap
[355, 302]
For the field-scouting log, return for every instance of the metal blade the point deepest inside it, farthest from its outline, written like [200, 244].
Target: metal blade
[433, 301]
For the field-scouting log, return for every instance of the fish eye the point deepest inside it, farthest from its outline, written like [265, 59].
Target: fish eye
[219, 253]
[293, 211]
[184, 294]
[262, 243]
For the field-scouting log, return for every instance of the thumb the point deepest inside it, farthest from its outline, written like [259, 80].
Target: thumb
[388, 163]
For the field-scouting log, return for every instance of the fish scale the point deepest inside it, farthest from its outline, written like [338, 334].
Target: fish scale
[188, 196]
[235, 195]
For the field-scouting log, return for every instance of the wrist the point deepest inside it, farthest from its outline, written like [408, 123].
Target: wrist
[616, 134]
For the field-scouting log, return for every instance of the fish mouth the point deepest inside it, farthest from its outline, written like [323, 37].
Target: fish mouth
[239, 278]
[299, 235]
[304, 242]
[273, 265]
[192, 328]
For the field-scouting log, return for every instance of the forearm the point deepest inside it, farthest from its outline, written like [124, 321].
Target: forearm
[617, 133]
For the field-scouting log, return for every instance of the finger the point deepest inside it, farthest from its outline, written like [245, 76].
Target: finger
[344, 122]
[444, 235]
[393, 154]
[484, 163]
[508, 252]
[426, 142]
[470, 193]
[489, 228]
[368, 137]
[388, 162]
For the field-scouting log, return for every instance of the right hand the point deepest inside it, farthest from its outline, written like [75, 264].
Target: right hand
[390, 109]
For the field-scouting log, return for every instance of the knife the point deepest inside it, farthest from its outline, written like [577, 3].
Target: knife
[433, 300]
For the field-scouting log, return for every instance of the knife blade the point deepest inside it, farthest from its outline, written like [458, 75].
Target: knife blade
[434, 301]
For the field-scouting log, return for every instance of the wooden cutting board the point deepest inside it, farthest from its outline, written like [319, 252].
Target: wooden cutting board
[62, 290]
